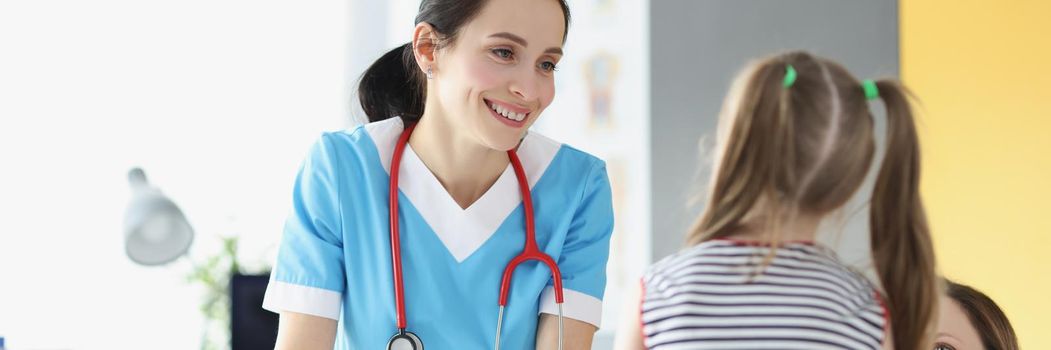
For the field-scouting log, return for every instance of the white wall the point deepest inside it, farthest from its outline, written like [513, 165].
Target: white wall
[217, 100]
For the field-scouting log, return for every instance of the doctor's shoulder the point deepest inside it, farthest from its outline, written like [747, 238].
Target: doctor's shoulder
[580, 176]
[567, 157]
[357, 148]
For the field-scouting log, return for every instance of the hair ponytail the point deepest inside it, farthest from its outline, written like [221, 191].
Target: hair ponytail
[393, 87]
[901, 242]
[732, 195]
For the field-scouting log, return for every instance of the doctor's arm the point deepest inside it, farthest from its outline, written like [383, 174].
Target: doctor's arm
[578, 334]
[298, 331]
[583, 267]
[308, 277]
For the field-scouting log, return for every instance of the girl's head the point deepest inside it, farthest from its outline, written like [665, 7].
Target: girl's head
[468, 57]
[796, 139]
[971, 320]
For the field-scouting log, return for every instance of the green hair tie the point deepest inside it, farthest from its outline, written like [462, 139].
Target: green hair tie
[871, 92]
[790, 76]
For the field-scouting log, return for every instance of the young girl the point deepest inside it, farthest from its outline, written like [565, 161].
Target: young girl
[796, 140]
[403, 230]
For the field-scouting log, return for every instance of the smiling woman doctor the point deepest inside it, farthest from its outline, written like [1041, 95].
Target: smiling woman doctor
[407, 232]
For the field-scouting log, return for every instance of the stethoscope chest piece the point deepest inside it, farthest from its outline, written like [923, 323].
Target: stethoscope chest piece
[404, 341]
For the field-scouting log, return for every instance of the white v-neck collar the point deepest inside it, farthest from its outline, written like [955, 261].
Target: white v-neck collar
[462, 231]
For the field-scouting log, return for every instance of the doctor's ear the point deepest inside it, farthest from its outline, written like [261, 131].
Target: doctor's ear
[425, 46]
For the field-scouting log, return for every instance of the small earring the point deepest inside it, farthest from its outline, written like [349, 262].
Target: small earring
[430, 73]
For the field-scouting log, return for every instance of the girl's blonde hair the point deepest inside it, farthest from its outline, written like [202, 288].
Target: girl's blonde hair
[805, 148]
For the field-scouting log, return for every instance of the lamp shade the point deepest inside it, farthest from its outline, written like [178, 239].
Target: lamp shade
[155, 231]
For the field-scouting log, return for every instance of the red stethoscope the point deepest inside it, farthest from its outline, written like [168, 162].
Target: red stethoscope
[405, 340]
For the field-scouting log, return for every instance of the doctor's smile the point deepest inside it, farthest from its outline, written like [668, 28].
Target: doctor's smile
[509, 114]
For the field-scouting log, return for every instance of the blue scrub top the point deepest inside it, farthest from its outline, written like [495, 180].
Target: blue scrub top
[335, 255]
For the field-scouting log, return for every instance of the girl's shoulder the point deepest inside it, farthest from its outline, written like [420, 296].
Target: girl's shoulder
[807, 265]
[803, 285]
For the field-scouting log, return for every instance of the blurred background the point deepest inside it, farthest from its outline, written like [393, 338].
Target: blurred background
[218, 101]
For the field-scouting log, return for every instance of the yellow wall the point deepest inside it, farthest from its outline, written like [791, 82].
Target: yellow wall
[982, 70]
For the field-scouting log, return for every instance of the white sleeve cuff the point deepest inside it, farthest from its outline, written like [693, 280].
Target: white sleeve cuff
[281, 296]
[576, 305]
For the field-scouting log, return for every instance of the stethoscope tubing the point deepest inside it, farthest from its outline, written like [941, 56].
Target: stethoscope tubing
[529, 252]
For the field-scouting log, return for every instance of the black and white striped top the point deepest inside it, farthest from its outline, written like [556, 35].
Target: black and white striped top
[713, 296]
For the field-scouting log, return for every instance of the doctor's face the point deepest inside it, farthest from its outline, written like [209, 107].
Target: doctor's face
[498, 76]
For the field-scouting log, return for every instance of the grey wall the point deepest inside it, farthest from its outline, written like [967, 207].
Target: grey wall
[697, 46]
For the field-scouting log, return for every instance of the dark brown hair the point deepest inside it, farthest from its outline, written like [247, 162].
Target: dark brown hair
[805, 149]
[991, 323]
[393, 85]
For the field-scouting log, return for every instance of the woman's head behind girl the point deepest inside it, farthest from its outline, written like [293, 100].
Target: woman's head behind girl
[796, 140]
[970, 320]
[467, 57]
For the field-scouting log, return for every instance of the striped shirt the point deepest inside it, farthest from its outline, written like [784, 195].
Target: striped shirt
[714, 296]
